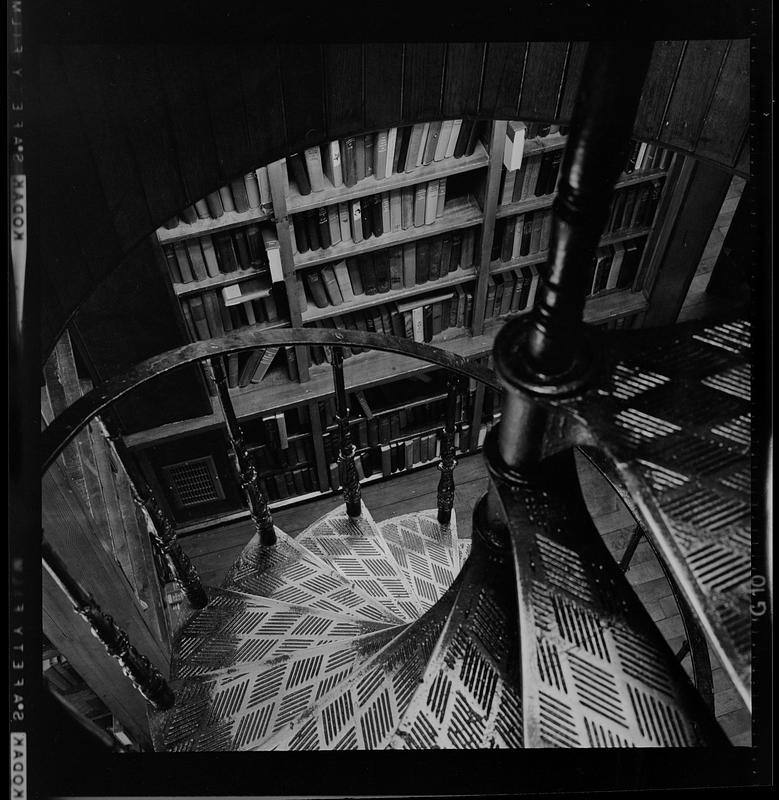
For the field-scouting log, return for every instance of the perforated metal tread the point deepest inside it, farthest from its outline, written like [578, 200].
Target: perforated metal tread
[357, 550]
[464, 548]
[239, 630]
[240, 708]
[595, 670]
[673, 415]
[362, 712]
[469, 697]
[289, 572]
[425, 551]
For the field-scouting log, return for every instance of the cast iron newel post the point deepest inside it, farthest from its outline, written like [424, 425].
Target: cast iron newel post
[350, 481]
[447, 463]
[164, 538]
[146, 678]
[547, 352]
[247, 469]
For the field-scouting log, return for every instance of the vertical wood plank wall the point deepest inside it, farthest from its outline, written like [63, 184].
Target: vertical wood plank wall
[133, 134]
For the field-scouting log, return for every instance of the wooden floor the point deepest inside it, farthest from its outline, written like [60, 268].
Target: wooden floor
[214, 550]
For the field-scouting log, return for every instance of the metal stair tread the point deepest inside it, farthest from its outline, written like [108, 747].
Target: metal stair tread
[358, 551]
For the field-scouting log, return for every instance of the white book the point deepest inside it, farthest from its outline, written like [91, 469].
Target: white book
[422, 144]
[343, 220]
[332, 163]
[281, 425]
[482, 435]
[342, 279]
[515, 145]
[418, 323]
[264, 182]
[531, 297]
[334, 224]
[453, 136]
[431, 202]
[640, 157]
[616, 265]
[443, 140]
[316, 176]
[274, 254]
[392, 137]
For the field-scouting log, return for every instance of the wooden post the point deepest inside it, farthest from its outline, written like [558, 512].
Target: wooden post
[346, 450]
[256, 500]
[447, 463]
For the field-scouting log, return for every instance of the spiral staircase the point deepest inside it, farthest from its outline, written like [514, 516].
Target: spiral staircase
[358, 635]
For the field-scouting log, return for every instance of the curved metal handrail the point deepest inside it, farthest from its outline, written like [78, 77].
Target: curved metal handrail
[64, 427]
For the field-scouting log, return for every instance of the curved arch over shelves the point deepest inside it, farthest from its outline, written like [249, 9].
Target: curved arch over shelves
[72, 420]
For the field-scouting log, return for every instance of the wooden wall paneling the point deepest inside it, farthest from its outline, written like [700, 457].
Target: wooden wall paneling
[68, 528]
[423, 76]
[300, 66]
[114, 162]
[574, 65]
[727, 121]
[692, 225]
[344, 90]
[542, 82]
[462, 79]
[79, 204]
[692, 92]
[128, 319]
[661, 76]
[190, 123]
[135, 75]
[263, 104]
[492, 189]
[73, 638]
[224, 93]
[504, 66]
[383, 76]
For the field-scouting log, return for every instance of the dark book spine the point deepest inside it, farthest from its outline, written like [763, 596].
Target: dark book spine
[367, 272]
[376, 221]
[366, 217]
[457, 241]
[324, 227]
[381, 266]
[463, 137]
[312, 228]
[297, 166]
[242, 248]
[225, 252]
[301, 237]
[473, 137]
[554, 171]
[348, 161]
[370, 143]
[527, 230]
[436, 248]
[317, 289]
[423, 261]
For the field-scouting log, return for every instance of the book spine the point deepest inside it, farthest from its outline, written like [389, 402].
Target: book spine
[359, 157]
[333, 224]
[240, 195]
[431, 202]
[380, 155]
[392, 138]
[297, 167]
[196, 259]
[370, 149]
[252, 189]
[409, 264]
[349, 160]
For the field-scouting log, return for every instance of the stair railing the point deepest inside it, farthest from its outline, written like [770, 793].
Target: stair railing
[347, 471]
[445, 493]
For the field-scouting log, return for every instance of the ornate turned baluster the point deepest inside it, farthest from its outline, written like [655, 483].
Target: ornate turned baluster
[247, 469]
[447, 463]
[145, 677]
[350, 481]
[164, 538]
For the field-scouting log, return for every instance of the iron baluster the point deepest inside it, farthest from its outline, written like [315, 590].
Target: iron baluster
[347, 470]
[447, 463]
[145, 677]
[624, 563]
[164, 537]
[248, 478]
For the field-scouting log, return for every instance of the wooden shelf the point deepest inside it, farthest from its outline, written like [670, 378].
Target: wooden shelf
[201, 227]
[555, 141]
[216, 282]
[297, 202]
[497, 267]
[546, 200]
[369, 301]
[460, 213]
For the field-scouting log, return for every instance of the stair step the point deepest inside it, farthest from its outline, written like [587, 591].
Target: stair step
[289, 572]
[358, 551]
[361, 712]
[237, 629]
[425, 551]
[464, 547]
[238, 708]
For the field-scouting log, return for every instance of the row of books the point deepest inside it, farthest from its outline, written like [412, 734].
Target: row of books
[245, 368]
[511, 292]
[208, 314]
[419, 319]
[616, 266]
[528, 233]
[222, 253]
[379, 155]
[403, 266]
[269, 456]
[289, 483]
[374, 215]
[251, 191]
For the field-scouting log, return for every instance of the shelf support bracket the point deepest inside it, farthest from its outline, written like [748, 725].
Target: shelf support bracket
[350, 481]
[249, 480]
[145, 677]
[447, 463]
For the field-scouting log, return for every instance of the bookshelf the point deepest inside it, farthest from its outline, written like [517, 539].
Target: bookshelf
[358, 256]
